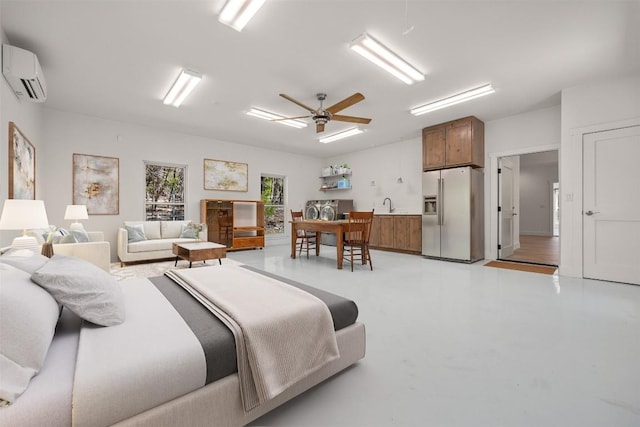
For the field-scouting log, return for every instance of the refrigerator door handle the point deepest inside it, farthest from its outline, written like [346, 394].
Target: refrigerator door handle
[439, 202]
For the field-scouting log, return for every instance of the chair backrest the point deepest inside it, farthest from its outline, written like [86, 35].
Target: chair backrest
[359, 227]
[296, 215]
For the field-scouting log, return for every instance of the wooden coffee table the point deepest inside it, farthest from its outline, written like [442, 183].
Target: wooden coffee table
[199, 251]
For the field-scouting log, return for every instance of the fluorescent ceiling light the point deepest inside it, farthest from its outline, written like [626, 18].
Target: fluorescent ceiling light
[237, 13]
[256, 112]
[384, 58]
[182, 87]
[344, 134]
[452, 100]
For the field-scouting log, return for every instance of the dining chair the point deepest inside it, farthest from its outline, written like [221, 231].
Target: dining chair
[307, 240]
[356, 238]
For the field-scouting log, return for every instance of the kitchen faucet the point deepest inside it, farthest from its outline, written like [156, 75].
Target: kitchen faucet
[384, 202]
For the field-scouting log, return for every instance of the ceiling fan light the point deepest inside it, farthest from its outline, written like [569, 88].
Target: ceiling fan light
[182, 87]
[267, 115]
[386, 59]
[237, 13]
[454, 99]
[340, 135]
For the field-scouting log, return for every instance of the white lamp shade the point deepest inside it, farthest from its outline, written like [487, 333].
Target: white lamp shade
[76, 212]
[23, 214]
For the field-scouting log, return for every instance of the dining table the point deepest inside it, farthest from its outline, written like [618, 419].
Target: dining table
[318, 226]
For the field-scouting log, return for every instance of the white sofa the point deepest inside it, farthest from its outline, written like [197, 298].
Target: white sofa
[160, 237]
[97, 251]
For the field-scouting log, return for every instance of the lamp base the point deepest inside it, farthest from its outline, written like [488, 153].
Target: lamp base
[25, 242]
[76, 226]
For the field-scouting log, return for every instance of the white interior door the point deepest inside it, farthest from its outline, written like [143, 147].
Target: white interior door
[506, 207]
[611, 205]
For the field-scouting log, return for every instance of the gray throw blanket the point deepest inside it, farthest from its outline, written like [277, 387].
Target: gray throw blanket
[282, 333]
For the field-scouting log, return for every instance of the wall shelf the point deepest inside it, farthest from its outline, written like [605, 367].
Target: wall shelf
[331, 182]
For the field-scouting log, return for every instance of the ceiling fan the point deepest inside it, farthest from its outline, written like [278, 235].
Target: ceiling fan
[322, 115]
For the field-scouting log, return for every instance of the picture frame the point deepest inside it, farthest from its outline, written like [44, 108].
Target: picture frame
[226, 175]
[22, 165]
[96, 183]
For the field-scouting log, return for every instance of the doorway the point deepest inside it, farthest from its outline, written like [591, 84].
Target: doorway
[528, 208]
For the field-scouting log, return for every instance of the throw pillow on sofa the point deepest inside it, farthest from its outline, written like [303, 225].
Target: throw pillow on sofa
[135, 233]
[189, 231]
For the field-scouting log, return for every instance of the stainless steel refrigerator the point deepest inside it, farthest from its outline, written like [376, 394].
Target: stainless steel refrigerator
[453, 214]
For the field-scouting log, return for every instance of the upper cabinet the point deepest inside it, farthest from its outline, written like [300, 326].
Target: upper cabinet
[451, 144]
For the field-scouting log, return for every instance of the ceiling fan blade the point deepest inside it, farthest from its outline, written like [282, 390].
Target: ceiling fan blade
[319, 127]
[341, 118]
[347, 102]
[290, 118]
[288, 98]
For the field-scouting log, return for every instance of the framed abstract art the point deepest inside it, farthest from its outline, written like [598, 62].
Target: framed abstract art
[22, 165]
[96, 183]
[226, 176]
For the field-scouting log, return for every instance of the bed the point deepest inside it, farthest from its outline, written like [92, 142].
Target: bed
[141, 372]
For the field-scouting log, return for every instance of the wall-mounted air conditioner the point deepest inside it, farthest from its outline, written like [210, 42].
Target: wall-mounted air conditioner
[22, 70]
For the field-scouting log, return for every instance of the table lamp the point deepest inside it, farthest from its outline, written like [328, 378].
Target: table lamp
[22, 215]
[76, 212]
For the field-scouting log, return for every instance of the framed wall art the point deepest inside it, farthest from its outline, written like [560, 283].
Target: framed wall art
[96, 183]
[22, 165]
[226, 176]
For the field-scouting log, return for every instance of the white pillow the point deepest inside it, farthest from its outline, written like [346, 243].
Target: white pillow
[28, 317]
[87, 290]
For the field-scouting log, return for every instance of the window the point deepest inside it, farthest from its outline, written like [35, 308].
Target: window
[272, 194]
[164, 191]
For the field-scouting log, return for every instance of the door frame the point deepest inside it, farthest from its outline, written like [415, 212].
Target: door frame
[571, 253]
[491, 245]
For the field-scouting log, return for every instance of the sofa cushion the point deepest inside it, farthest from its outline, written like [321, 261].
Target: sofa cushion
[151, 245]
[171, 229]
[152, 229]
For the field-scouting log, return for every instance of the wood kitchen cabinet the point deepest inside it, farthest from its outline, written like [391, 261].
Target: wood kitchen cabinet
[402, 233]
[451, 144]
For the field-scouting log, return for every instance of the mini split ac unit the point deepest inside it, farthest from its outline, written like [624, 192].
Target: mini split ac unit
[22, 70]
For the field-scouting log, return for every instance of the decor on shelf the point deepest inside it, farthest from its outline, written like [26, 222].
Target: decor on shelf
[22, 165]
[96, 183]
[226, 176]
[76, 212]
[22, 215]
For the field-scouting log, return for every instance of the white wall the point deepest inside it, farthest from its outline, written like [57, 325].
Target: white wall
[68, 133]
[536, 189]
[588, 108]
[28, 117]
[531, 132]
[375, 175]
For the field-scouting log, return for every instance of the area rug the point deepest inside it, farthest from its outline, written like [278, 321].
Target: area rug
[542, 269]
[151, 269]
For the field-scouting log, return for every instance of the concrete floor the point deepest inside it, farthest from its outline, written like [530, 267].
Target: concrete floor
[453, 344]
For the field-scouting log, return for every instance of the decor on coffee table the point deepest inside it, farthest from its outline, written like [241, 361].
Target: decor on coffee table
[22, 165]
[96, 183]
[226, 176]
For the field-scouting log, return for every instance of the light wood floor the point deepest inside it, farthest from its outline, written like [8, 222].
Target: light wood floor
[538, 250]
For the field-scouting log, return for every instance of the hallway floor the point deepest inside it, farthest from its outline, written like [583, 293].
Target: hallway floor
[537, 250]
[452, 344]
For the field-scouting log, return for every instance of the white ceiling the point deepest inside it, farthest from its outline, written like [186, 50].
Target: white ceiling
[116, 60]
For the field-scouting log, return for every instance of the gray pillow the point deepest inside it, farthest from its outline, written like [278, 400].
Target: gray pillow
[135, 233]
[28, 317]
[83, 288]
[24, 259]
[188, 231]
[80, 236]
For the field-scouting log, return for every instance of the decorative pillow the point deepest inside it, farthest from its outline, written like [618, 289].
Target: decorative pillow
[83, 288]
[69, 238]
[57, 235]
[189, 231]
[23, 259]
[28, 317]
[172, 229]
[135, 233]
[80, 236]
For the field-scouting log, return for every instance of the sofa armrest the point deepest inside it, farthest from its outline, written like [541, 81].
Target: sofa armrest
[123, 242]
[97, 253]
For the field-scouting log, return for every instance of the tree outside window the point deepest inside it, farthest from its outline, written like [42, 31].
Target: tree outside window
[272, 194]
[164, 192]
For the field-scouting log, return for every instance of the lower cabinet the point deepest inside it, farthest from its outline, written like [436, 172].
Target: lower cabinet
[402, 233]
